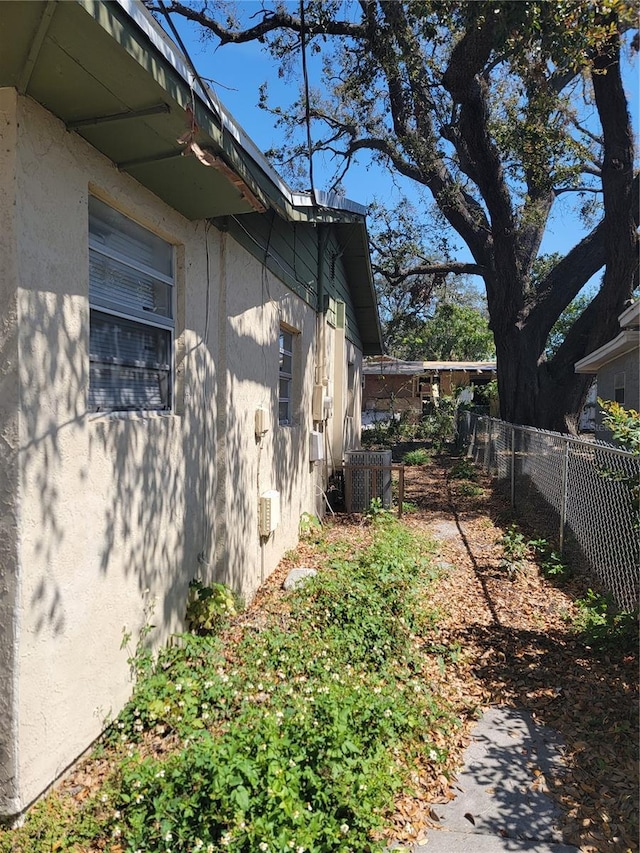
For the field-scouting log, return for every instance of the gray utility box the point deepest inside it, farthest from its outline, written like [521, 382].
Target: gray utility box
[362, 483]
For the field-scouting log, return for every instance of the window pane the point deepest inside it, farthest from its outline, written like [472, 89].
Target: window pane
[285, 383]
[285, 389]
[118, 341]
[283, 412]
[116, 388]
[129, 365]
[122, 235]
[286, 341]
[126, 288]
[286, 364]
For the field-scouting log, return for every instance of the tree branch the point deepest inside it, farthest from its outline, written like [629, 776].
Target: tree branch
[463, 79]
[559, 190]
[455, 267]
[570, 274]
[271, 21]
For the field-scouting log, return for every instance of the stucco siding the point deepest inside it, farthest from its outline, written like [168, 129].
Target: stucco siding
[119, 512]
[9, 467]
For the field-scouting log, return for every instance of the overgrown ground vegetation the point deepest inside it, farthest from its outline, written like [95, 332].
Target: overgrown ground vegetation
[333, 718]
[292, 734]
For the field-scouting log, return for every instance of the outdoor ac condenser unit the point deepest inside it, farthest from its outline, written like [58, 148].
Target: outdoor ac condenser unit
[362, 486]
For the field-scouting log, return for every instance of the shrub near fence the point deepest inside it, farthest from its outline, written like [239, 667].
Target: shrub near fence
[582, 488]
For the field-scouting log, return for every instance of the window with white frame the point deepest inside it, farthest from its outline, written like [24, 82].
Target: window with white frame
[131, 322]
[285, 384]
[619, 387]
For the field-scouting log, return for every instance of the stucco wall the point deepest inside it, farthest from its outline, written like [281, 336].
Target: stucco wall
[118, 513]
[9, 443]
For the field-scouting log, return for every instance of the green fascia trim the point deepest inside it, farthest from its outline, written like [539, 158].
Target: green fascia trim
[114, 20]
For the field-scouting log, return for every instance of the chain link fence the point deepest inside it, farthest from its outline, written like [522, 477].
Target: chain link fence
[583, 490]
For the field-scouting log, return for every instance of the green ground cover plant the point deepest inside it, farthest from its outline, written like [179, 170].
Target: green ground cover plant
[420, 456]
[295, 738]
[603, 626]
[463, 469]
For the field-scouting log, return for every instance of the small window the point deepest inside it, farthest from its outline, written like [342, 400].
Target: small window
[131, 318]
[285, 390]
[618, 388]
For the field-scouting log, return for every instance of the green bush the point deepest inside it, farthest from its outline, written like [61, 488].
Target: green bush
[420, 456]
[289, 740]
[463, 469]
[602, 625]
[209, 608]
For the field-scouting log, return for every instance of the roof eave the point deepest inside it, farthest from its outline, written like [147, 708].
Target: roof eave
[627, 341]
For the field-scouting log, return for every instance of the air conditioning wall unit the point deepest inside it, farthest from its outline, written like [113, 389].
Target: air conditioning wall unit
[269, 512]
[362, 486]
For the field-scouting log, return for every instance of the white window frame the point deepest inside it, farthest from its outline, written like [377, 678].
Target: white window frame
[285, 377]
[128, 316]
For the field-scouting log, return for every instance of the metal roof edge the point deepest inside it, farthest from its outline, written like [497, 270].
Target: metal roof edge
[631, 315]
[174, 56]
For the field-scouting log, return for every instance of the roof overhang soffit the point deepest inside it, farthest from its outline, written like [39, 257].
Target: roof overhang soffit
[96, 70]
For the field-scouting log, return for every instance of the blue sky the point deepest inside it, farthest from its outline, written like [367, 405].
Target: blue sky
[236, 72]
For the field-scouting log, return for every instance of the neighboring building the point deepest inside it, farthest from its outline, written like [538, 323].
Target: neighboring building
[181, 334]
[393, 385]
[615, 365]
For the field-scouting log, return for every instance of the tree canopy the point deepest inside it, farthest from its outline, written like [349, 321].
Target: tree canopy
[498, 110]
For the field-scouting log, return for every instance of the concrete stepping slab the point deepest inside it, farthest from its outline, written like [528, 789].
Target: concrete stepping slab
[501, 801]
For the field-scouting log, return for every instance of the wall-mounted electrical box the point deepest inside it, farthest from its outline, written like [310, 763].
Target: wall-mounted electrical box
[269, 512]
[316, 452]
[321, 404]
[316, 403]
[261, 421]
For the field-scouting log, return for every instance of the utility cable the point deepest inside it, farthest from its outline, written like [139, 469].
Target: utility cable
[307, 108]
[206, 90]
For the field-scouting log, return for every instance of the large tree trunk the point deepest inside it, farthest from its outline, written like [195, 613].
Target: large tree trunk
[536, 394]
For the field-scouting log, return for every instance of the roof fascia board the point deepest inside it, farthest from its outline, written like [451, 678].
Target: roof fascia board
[625, 342]
[631, 315]
[166, 47]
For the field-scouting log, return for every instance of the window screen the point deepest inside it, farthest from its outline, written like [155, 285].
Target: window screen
[285, 379]
[131, 314]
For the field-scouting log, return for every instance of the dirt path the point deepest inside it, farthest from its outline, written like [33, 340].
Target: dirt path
[518, 649]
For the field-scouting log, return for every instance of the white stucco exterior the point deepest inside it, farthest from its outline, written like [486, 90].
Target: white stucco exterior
[104, 515]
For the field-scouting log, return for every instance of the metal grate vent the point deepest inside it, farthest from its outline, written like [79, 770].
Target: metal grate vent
[361, 487]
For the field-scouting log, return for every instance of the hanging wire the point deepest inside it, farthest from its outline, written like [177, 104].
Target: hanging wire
[208, 92]
[307, 107]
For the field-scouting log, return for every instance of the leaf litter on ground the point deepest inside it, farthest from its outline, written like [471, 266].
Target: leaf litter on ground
[497, 640]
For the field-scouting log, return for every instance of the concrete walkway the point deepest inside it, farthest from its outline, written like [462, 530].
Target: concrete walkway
[501, 804]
